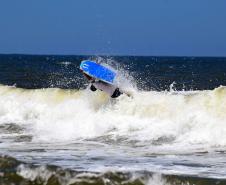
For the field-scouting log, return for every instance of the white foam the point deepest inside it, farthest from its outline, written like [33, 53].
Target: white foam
[44, 174]
[156, 179]
[186, 120]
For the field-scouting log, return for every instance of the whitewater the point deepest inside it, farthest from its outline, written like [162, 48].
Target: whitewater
[151, 130]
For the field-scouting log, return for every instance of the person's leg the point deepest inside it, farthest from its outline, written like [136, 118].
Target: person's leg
[93, 88]
[116, 93]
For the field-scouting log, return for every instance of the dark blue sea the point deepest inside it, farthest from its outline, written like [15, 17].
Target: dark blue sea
[54, 130]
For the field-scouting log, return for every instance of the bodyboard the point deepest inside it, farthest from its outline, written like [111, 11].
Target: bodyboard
[98, 71]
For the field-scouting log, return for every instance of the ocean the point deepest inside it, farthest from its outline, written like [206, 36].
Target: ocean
[54, 130]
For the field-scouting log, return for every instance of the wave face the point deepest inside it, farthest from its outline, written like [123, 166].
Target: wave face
[84, 130]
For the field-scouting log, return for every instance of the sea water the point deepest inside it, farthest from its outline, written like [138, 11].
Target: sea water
[172, 130]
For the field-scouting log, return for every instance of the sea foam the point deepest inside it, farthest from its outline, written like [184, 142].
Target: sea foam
[170, 121]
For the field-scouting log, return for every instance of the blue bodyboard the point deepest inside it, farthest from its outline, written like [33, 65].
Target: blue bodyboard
[98, 71]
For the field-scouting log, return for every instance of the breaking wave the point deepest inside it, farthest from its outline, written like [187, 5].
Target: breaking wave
[176, 120]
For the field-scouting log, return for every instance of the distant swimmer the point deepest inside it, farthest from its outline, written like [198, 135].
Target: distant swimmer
[100, 77]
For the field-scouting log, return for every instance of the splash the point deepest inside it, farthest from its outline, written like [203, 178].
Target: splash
[124, 79]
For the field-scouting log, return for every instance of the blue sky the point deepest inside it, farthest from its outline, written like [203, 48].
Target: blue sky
[117, 27]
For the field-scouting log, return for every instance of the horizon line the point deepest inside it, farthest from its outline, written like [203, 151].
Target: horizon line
[114, 55]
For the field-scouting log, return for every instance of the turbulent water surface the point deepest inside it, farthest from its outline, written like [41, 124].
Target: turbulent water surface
[55, 131]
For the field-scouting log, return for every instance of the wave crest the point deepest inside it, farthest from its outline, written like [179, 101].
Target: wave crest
[173, 119]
